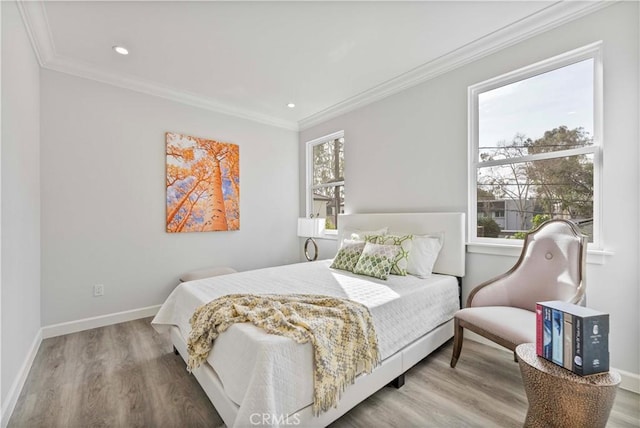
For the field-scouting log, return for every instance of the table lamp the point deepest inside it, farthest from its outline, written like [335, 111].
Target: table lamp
[310, 228]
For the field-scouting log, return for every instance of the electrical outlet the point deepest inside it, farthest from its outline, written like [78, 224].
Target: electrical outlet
[98, 290]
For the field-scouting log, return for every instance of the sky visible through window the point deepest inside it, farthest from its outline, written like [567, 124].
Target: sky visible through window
[540, 103]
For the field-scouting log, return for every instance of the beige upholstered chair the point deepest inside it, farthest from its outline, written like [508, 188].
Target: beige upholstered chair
[551, 267]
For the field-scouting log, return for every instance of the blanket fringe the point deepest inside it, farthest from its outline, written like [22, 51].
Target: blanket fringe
[329, 400]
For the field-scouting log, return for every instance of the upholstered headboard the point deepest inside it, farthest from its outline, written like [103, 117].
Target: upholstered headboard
[451, 260]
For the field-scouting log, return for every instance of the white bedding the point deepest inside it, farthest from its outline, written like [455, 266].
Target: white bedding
[271, 374]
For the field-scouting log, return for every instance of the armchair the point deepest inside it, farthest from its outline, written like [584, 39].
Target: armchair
[503, 309]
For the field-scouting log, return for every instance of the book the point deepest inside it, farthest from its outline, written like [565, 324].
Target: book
[577, 346]
[539, 329]
[586, 348]
[546, 333]
[595, 343]
[568, 341]
[557, 336]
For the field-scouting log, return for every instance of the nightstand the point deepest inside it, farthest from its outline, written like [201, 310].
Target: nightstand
[560, 398]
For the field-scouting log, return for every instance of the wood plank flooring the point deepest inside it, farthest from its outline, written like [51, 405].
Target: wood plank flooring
[126, 375]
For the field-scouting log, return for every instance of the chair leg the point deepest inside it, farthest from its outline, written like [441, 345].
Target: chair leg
[458, 334]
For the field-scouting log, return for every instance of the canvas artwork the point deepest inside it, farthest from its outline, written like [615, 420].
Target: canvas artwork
[203, 184]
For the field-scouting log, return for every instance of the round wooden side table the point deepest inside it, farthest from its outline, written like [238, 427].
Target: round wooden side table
[560, 398]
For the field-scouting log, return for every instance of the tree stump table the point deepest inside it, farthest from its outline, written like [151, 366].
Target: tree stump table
[560, 398]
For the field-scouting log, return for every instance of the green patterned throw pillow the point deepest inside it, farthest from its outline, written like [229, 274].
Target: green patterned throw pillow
[376, 260]
[404, 243]
[348, 255]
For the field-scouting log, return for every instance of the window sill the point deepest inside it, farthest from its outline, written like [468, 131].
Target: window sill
[331, 235]
[594, 256]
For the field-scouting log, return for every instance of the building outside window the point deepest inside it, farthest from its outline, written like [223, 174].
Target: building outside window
[535, 147]
[325, 178]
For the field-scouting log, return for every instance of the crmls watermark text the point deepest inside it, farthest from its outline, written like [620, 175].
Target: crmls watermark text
[274, 419]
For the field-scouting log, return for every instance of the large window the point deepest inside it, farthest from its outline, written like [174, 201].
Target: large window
[325, 178]
[535, 148]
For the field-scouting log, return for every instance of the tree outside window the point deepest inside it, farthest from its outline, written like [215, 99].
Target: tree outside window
[535, 139]
[325, 195]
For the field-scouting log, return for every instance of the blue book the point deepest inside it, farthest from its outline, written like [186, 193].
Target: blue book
[546, 334]
[557, 337]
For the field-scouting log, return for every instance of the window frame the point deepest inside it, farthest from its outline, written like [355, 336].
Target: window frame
[592, 51]
[309, 186]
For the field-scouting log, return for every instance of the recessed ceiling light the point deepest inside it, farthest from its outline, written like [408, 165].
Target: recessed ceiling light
[291, 105]
[121, 50]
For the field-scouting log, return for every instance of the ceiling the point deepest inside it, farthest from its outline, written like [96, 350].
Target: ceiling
[250, 59]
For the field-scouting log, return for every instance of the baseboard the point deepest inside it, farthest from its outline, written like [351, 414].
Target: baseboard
[16, 388]
[630, 381]
[99, 321]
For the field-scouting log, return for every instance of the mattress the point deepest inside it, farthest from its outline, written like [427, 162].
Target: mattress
[273, 374]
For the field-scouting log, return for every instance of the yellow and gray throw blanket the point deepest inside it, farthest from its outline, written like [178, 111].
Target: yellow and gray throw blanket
[341, 332]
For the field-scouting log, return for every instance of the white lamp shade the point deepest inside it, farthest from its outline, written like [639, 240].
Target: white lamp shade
[310, 227]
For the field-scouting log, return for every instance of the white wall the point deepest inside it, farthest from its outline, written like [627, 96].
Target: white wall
[20, 226]
[103, 198]
[408, 152]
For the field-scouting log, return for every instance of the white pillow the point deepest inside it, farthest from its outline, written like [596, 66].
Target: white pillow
[424, 253]
[359, 235]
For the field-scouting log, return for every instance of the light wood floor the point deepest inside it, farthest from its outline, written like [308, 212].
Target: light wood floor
[126, 375]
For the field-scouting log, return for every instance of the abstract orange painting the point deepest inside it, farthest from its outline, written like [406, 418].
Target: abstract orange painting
[203, 184]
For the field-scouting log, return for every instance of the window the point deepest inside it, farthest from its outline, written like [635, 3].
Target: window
[535, 148]
[325, 178]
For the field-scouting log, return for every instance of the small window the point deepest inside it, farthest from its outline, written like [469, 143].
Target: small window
[325, 179]
[535, 147]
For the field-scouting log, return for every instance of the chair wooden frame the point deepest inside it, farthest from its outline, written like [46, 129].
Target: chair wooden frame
[578, 298]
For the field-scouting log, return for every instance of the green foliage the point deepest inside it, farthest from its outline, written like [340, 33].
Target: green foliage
[328, 162]
[490, 228]
[538, 219]
[565, 183]
[562, 185]
[328, 224]
[328, 168]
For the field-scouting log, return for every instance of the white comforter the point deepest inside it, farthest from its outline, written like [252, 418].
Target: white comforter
[269, 374]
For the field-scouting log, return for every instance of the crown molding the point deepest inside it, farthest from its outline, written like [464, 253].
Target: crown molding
[37, 25]
[544, 20]
[88, 71]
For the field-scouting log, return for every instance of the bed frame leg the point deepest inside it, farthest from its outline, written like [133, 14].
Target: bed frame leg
[175, 351]
[398, 382]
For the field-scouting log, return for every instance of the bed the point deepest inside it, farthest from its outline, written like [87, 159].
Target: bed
[254, 378]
